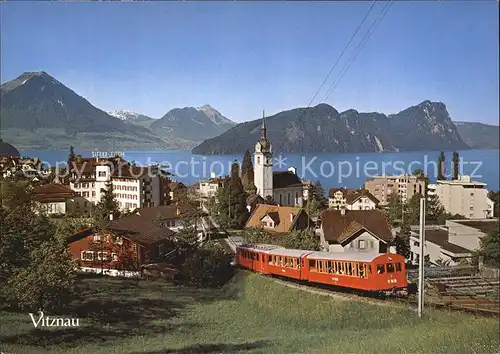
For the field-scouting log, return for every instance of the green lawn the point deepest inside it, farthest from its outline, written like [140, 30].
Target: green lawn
[252, 314]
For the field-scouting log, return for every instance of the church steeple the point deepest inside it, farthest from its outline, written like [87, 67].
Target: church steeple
[263, 126]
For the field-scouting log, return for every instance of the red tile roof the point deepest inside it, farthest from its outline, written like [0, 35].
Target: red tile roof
[279, 214]
[338, 228]
[52, 192]
[140, 229]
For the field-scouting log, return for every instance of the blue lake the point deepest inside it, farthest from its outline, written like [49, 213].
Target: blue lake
[331, 169]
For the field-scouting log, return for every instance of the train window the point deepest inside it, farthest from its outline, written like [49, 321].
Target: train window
[349, 268]
[398, 267]
[328, 267]
[357, 270]
[287, 262]
[339, 268]
[361, 270]
[390, 268]
[369, 269]
[312, 265]
[380, 269]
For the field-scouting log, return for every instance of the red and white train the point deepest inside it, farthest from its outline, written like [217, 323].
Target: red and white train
[371, 272]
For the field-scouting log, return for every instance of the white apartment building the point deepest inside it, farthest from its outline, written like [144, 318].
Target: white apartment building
[208, 188]
[463, 196]
[133, 187]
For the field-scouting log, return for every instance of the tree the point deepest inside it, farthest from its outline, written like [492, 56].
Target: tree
[441, 170]
[247, 172]
[312, 207]
[107, 205]
[434, 210]
[270, 201]
[232, 210]
[412, 210]
[319, 193]
[418, 172]
[402, 241]
[47, 282]
[495, 197]
[71, 157]
[490, 248]
[394, 208]
[36, 271]
[256, 235]
[301, 240]
[456, 163]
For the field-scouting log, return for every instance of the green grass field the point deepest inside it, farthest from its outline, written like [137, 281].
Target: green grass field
[251, 314]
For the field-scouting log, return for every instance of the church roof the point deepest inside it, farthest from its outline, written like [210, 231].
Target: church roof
[284, 179]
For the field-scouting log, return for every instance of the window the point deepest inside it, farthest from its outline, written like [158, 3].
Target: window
[361, 244]
[87, 256]
[312, 265]
[97, 238]
[398, 267]
[390, 268]
[258, 159]
[264, 223]
[93, 193]
[380, 269]
[102, 173]
[102, 256]
[114, 257]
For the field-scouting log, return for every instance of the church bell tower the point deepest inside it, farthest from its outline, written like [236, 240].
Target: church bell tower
[263, 163]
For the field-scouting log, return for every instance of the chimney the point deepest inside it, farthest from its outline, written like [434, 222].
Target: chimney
[178, 211]
[293, 170]
[110, 216]
[342, 210]
[212, 174]
[291, 217]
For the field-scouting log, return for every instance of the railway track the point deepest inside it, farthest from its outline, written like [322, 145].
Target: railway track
[408, 303]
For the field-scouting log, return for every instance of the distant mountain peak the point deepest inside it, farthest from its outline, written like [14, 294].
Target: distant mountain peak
[27, 76]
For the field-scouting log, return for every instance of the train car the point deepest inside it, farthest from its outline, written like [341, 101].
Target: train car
[286, 262]
[254, 257]
[356, 270]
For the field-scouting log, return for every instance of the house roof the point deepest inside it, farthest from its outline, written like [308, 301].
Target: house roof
[284, 179]
[52, 192]
[484, 226]
[168, 212]
[140, 229]
[338, 228]
[440, 238]
[352, 195]
[280, 213]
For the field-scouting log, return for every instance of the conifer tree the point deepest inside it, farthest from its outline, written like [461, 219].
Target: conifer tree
[441, 171]
[71, 157]
[247, 175]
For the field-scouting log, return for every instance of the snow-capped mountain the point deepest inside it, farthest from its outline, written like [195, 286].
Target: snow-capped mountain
[132, 117]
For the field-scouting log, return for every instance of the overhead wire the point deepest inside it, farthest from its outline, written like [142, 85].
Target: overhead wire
[334, 65]
[359, 48]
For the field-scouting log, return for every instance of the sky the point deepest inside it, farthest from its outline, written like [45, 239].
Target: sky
[245, 57]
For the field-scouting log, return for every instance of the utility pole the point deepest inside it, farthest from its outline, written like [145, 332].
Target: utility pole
[421, 289]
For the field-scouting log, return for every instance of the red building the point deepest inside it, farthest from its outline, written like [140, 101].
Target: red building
[125, 246]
